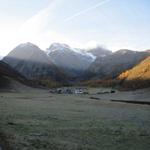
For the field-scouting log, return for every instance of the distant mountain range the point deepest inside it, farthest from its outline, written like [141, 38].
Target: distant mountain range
[60, 64]
[115, 63]
[71, 61]
[32, 62]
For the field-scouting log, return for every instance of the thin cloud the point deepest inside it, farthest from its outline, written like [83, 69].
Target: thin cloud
[86, 10]
[37, 29]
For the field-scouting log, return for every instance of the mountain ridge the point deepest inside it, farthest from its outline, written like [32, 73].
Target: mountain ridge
[72, 61]
[29, 60]
[63, 64]
[115, 63]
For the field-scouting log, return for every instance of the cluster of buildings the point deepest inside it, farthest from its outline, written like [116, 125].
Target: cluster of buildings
[69, 90]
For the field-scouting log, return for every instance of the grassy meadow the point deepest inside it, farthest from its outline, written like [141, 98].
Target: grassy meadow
[42, 121]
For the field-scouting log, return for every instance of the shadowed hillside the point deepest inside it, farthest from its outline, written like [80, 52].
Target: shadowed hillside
[10, 78]
[114, 64]
[33, 63]
[6, 70]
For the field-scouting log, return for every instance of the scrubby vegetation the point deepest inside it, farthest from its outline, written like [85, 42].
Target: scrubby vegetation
[101, 83]
[138, 77]
[49, 83]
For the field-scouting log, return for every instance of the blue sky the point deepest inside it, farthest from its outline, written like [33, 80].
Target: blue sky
[114, 24]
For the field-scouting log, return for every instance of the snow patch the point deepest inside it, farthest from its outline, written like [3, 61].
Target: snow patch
[64, 47]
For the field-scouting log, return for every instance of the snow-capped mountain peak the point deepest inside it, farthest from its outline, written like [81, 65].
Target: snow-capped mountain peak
[57, 47]
[71, 59]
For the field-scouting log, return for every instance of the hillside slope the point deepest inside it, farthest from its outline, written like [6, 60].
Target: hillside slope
[30, 61]
[114, 64]
[11, 79]
[6, 70]
[137, 77]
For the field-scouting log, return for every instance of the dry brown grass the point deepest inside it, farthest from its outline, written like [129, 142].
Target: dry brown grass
[138, 77]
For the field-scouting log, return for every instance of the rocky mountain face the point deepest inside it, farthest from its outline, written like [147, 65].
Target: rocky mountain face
[58, 60]
[138, 76]
[112, 65]
[72, 61]
[33, 63]
[63, 64]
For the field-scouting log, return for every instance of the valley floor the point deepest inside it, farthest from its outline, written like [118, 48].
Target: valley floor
[38, 120]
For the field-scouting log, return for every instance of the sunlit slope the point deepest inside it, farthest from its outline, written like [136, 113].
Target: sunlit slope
[137, 77]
